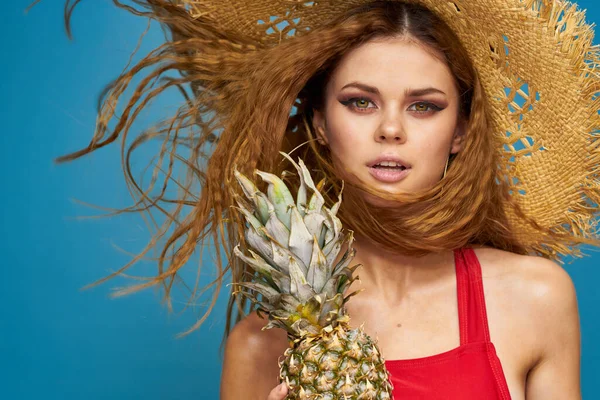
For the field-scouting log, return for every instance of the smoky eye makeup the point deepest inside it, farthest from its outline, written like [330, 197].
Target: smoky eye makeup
[432, 107]
[348, 100]
[362, 103]
[359, 104]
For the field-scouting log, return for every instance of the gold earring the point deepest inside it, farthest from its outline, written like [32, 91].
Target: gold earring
[446, 169]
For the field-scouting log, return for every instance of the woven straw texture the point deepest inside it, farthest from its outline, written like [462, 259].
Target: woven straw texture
[540, 72]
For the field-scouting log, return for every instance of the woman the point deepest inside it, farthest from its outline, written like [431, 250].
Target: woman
[368, 111]
[380, 81]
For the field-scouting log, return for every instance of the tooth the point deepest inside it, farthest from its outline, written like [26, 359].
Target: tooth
[390, 164]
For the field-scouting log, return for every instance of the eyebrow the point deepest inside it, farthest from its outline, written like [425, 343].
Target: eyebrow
[407, 92]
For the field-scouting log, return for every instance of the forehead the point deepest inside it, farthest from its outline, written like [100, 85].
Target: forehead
[393, 63]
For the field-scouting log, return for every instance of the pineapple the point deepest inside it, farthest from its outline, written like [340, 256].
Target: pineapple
[292, 247]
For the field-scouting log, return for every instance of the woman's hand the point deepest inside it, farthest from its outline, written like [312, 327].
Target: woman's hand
[279, 392]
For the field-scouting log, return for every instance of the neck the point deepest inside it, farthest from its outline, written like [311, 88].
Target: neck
[393, 276]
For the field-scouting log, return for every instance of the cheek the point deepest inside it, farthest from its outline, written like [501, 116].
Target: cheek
[433, 140]
[428, 156]
[345, 132]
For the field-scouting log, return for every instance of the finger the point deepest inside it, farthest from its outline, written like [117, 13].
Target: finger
[279, 392]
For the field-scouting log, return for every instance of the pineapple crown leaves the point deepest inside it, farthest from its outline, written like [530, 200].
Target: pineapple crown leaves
[292, 249]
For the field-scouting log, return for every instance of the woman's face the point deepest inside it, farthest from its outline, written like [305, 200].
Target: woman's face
[373, 108]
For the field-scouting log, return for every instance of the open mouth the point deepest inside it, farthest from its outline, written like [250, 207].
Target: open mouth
[399, 167]
[389, 174]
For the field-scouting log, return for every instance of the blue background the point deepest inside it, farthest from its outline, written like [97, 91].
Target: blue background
[56, 341]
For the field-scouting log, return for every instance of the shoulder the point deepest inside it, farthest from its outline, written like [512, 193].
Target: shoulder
[536, 280]
[250, 365]
[248, 334]
[535, 322]
[539, 290]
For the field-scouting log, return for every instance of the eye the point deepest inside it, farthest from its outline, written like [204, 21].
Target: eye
[358, 103]
[423, 107]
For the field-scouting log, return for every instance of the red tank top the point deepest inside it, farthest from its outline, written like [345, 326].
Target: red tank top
[471, 371]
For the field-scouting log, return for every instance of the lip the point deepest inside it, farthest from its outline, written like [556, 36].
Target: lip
[388, 157]
[388, 175]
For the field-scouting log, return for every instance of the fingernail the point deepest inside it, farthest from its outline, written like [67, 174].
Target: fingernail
[281, 387]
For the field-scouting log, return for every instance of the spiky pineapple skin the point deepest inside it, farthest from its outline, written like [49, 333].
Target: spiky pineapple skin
[341, 364]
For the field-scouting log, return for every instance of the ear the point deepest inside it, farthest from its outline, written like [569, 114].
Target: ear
[318, 122]
[459, 137]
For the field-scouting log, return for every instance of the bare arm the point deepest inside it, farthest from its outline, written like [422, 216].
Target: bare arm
[250, 368]
[556, 375]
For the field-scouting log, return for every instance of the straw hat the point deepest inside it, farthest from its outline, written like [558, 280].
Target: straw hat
[540, 72]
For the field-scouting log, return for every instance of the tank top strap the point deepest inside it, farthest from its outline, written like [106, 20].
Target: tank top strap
[472, 314]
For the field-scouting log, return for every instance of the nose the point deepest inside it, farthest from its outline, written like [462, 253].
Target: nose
[391, 129]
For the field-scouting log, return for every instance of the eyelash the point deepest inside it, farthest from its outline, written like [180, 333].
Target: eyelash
[348, 103]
